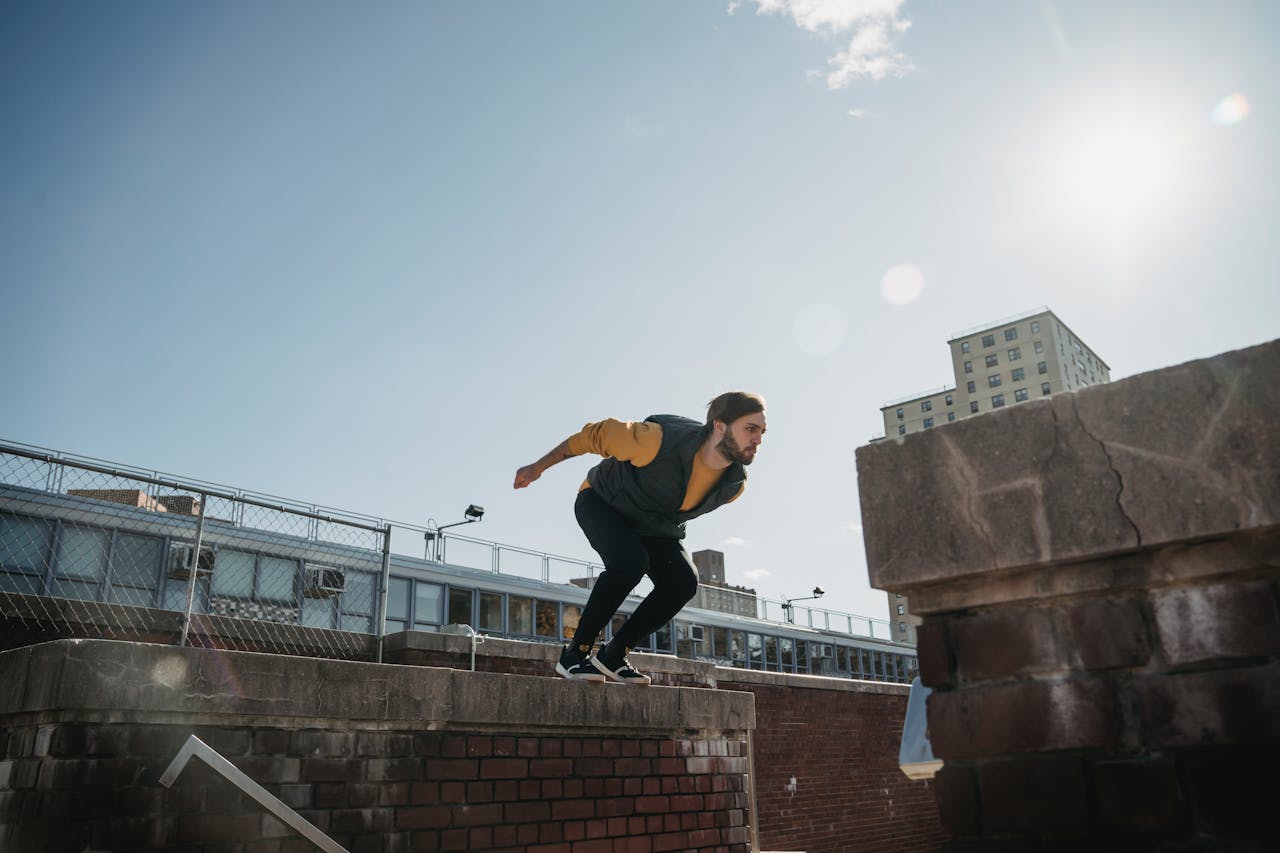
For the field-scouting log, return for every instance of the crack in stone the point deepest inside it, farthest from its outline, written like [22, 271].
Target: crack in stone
[1075, 410]
[971, 494]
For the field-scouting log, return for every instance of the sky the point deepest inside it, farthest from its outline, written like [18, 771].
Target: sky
[377, 256]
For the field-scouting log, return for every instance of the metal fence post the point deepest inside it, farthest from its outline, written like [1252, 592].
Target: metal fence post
[386, 583]
[193, 571]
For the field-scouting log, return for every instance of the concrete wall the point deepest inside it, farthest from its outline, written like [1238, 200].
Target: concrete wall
[1098, 579]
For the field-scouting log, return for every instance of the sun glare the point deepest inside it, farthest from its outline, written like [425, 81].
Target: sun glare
[1116, 172]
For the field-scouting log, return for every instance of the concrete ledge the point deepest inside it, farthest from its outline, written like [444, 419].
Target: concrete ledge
[166, 682]
[1177, 455]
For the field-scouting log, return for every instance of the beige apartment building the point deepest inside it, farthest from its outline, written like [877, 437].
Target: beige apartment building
[1012, 361]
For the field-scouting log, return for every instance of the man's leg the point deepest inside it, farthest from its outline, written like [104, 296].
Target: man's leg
[626, 560]
[675, 581]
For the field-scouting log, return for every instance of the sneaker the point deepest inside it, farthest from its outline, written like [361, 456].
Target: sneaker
[613, 663]
[575, 664]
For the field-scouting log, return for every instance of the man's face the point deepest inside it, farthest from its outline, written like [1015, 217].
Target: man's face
[742, 438]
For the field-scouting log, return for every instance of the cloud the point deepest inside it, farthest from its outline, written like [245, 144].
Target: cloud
[872, 25]
[857, 113]
[756, 574]
[736, 542]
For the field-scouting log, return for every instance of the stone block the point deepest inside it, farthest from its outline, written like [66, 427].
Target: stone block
[1005, 644]
[1034, 796]
[1215, 708]
[1140, 796]
[1217, 621]
[933, 651]
[1109, 633]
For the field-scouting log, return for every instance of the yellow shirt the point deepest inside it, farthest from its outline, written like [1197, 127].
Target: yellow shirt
[637, 442]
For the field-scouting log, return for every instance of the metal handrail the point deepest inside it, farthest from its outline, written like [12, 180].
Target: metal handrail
[1043, 309]
[942, 389]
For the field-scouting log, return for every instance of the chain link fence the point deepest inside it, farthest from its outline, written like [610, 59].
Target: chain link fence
[93, 551]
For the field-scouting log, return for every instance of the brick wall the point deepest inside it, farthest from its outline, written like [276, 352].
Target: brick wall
[1100, 591]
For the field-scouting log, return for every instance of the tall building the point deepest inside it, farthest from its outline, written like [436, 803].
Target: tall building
[1015, 360]
[1012, 361]
[714, 593]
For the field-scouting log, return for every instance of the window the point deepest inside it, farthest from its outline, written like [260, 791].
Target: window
[428, 605]
[24, 547]
[926, 406]
[993, 360]
[993, 381]
[968, 367]
[973, 407]
[1017, 375]
[519, 616]
[1020, 395]
[964, 347]
[902, 429]
[988, 340]
[491, 611]
[902, 609]
[928, 422]
[569, 616]
[1011, 334]
[1015, 353]
[545, 620]
[1035, 327]
[997, 401]
[355, 606]
[397, 605]
[899, 413]
[1044, 388]
[950, 400]
[1042, 367]
[971, 386]
[1039, 347]
[460, 606]
[951, 416]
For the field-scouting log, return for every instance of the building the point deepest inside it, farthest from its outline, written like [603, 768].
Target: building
[714, 593]
[1015, 360]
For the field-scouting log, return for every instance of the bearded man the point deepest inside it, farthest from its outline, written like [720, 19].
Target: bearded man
[656, 475]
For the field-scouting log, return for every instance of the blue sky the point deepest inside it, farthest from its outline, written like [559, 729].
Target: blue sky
[377, 256]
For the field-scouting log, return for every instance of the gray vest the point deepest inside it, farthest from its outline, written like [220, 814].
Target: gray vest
[650, 497]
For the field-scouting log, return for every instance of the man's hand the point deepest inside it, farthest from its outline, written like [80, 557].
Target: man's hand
[527, 474]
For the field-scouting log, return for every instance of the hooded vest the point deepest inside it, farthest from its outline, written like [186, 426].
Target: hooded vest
[650, 497]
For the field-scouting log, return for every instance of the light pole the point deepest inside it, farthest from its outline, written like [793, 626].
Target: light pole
[818, 592]
[435, 540]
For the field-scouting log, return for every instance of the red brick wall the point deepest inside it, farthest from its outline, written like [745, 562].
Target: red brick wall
[72, 787]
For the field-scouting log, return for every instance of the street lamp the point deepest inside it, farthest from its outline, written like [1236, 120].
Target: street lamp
[434, 538]
[818, 592]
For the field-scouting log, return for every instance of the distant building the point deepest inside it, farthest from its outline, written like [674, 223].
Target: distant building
[714, 593]
[1012, 361]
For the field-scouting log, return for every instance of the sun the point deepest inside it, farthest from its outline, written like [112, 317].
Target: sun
[1118, 172]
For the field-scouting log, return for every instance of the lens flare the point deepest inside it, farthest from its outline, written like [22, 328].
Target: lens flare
[1232, 109]
[902, 284]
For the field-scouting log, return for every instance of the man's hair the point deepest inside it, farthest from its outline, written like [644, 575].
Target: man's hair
[731, 405]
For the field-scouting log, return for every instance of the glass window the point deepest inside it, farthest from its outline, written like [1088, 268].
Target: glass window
[787, 651]
[662, 639]
[738, 647]
[1011, 334]
[320, 613]
[968, 367]
[993, 381]
[428, 603]
[950, 400]
[755, 650]
[928, 422]
[82, 553]
[1044, 388]
[1015, 353]
[902, 429]
[1018, 374]
[964, 347]
[902, 609]
[719, 642]
[233, 574]
[136, 561]
[951, 416]
[460, 601]
[397, 604]
[357, 596]
[520, 616]
[926, 406]
[569, 616]
[491, 612]
[1035, 327]
[993, 360]
[973, 407]
[24, 543]
[1042, 367]
[899, 413]
[275, 579]
[771, 652]
[970, 386]
[988, 340]
[1020, 395]
[997, 401]
[1039, 347]
[545, 621]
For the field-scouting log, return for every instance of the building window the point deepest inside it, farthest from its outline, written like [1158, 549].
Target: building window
[1039, 347]
[1018, 373]
[993, 381]
[997, 401]
[950, 400]
[902, 609]
[968, 367]
[971, 386]
[973, 407]
[1044, 388]
[951, 416]
[993, 360]
[902, 429]
[1020, 395]
[1042, 367]
[899, 414]
[1035, 327]
[1015, 353]
[926, 406]
[1011, 334]
[964, 347]
[988, 340]
[928, 422]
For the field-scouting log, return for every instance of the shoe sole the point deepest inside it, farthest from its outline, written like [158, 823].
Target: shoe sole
[643, 681]
[586, 676]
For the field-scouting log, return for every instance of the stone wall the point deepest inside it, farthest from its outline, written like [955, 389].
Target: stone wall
[1098, 579]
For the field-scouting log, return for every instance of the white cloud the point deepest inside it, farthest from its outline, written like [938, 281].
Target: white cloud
[756, 574]
[857, 113]
[736, 542]
[733, 6]
[874, 25]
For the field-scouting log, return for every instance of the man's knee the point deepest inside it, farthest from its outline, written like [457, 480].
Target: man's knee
[686, 586]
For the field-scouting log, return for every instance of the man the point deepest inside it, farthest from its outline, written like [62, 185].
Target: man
[656, 475]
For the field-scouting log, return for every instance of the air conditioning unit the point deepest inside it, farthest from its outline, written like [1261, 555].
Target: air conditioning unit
[324, 582]
[697, 633]
[181, 558]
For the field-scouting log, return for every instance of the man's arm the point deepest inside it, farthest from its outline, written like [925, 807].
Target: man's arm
[528, 473]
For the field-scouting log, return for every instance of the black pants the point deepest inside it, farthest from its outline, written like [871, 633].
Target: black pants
[628, 557]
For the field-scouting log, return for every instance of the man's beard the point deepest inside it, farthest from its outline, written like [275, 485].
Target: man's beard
[729, 449]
